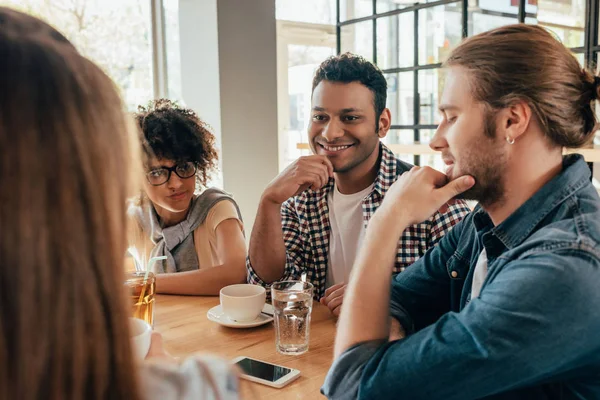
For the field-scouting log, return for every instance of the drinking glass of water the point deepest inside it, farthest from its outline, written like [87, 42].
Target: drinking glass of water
[292, 304]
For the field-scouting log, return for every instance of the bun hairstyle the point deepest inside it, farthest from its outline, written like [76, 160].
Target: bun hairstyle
[526, 63]
[591, 95]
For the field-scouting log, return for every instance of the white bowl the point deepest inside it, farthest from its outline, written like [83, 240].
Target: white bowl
[243, 302]
[141, 335]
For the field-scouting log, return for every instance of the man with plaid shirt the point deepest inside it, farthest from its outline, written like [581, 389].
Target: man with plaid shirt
[312, 217]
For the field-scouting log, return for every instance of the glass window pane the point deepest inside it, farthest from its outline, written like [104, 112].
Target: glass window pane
[432, 160]
[503, 6]
[566, 19]
[481, 21]
[358, 39]
[115, 35]
[302, 61]
[351, 9]
[400, 136]
[395, 41]
[389, 5]
[400, 97]
[431, 84]
[171, 10]
[581, 58]
[440, 30]
[313, 11]
[425, 135]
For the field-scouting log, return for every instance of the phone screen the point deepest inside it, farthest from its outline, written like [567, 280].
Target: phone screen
[262, 370]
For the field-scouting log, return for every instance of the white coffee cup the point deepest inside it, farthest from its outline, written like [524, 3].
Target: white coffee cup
[243, 302]
[141, 335]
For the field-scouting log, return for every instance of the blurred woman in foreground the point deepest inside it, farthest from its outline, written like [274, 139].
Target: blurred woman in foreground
[65, 161]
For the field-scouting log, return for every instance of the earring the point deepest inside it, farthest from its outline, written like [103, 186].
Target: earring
[510, 140]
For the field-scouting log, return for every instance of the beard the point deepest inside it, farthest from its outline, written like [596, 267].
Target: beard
[484, 160]
[488, 188]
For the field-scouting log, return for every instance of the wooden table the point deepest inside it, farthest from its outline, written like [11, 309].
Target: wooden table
[185, 328]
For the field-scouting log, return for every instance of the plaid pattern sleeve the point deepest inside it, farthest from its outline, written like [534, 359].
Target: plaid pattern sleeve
[295, 246]
[417, 239]
[442, 223]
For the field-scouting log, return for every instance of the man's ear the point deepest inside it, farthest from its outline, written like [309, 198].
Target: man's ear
[384, 123]
[514, 120]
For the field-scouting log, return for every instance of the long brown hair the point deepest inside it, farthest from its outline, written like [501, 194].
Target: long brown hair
[64, 162]
[526, 63]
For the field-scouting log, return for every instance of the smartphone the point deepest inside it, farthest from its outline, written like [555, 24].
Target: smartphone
[265, 373]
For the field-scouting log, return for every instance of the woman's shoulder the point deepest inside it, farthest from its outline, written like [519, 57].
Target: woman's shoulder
[217, 203]
[215, 195]
[201, 376]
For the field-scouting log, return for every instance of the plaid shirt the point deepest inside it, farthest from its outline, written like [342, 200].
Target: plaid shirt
[306, 228]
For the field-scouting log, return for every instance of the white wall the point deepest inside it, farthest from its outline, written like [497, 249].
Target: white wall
[199, 54]
[248, 77]
[229, 64]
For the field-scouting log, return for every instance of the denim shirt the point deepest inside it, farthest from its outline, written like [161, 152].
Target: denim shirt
[534, 330]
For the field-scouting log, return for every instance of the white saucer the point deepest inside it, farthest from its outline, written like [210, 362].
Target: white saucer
[217, 315]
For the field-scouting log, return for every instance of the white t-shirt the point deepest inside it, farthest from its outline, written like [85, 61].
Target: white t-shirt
[479, 275]
[347, 232]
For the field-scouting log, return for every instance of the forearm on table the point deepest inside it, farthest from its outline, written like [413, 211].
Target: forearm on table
[267, 252]
[208, 281]
[365, 315]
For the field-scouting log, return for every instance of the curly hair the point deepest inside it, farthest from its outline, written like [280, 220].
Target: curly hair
[347, 68]
[174, 133]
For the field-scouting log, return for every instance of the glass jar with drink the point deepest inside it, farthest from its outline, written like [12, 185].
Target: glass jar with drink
[142, 292]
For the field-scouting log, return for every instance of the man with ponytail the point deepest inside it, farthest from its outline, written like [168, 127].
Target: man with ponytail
[506, 306]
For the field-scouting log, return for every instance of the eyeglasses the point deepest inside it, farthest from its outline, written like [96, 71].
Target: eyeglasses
[160, 176]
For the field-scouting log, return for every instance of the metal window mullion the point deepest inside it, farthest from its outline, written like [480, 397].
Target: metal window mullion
[521, 12]
[374, 33]
[413, 68]
[398, 11]
[159, 50]
[586, 37]
[465, 18]
[416, 100]
[483, 11]
[591, 33]
[413, 127]
[338, 28]
[590, 44]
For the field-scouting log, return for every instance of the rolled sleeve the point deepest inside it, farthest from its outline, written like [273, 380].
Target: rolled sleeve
[343, 378]
[295, 248]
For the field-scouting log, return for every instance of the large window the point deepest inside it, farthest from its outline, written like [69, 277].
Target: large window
[409, 39]
[124, 37]
[305, 37]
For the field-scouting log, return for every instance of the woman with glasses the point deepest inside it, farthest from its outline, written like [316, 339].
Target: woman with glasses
[202, 234]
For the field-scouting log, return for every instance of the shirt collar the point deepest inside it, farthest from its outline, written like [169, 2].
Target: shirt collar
[519, 225]
[387, 173]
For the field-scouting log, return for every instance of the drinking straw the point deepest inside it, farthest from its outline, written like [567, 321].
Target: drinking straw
[137, 261]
